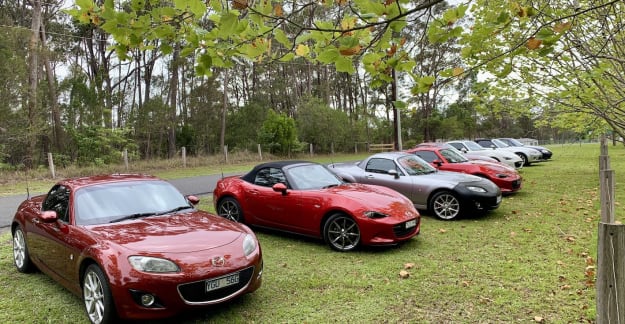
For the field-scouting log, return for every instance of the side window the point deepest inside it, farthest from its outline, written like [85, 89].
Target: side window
[380, 166]
[458, 146]
[269, 176]
[58, 201]
[428, 156]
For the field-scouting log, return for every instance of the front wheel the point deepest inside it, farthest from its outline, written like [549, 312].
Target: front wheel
[21, 258]
[445, 205]
[97, 296]
[229, 208]
[524, 158]
[341, 232]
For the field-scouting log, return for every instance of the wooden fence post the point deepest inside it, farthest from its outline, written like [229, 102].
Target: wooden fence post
[610, 283]
[226, 153]
[260, 152]
[311, 149]
[184, 157]
[611, 274]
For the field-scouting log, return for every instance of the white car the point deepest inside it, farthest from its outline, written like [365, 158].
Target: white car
[502, 156]
[529, 155]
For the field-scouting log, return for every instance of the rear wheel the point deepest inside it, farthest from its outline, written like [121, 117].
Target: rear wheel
[21, 258]
[229, 208]
[341, 232]
[445, 205]
[97, 297]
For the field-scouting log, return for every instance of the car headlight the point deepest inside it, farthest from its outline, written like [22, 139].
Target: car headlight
[374, 214]
[151, 264]
[249, 245]
[476, 189]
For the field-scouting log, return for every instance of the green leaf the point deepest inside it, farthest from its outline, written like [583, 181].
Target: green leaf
[344, 64]
[329, 55]
[227, 24]
[281, 37]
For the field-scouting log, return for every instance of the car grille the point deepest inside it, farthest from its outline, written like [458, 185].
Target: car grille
[516, 184]
[400, 230]
[195, 292]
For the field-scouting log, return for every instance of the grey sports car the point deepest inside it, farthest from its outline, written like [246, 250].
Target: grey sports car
[447, 195]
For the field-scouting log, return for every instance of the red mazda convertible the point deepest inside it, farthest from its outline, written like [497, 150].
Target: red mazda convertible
[307, 198]
[134, 247]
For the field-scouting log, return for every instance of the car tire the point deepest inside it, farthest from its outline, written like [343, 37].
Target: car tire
[445, 205]
[341, 232]
[97, 297]
[523, 157]
[229, 208]
[21, 257]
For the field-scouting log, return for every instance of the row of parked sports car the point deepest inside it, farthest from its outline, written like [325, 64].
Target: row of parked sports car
[132, 246]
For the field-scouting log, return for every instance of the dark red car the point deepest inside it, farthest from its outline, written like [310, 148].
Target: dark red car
[506, 178]
[307, 198]
[134, 247]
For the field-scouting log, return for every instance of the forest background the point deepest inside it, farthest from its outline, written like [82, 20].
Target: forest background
[85, 80]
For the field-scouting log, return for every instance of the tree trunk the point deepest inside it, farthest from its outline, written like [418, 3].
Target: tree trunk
[54, 104]
[173, 98]
[33, 47]
[222, 135]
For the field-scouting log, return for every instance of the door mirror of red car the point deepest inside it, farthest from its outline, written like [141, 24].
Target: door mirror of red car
[394, 173]
[280, 187]
[437, 163]
[48, 216]
[194, 200]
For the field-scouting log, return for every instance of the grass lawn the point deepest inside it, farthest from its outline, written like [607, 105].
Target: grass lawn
[531, 260]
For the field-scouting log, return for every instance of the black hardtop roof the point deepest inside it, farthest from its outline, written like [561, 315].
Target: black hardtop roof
[250, 176]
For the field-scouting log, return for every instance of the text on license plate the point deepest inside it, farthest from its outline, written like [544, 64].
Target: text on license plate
[226, 281]
[411, 223]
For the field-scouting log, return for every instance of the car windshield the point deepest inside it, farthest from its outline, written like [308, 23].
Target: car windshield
[514, 142]
[414, 165]
[499, 143]
[474, 146]
[453, 156]
[312, 176]
[103, 203]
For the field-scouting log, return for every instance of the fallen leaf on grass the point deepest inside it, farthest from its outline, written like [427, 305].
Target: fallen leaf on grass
[442, 230]
[408, 266]
[539, 319]
[404, 274]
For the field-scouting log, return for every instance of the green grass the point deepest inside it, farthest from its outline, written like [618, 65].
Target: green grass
[530, 260]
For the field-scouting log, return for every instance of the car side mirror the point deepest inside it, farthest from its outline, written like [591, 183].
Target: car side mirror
[437, 163]
[394, 173]
[464, 150]
[280, 187]
[48, 216]
[194, 200]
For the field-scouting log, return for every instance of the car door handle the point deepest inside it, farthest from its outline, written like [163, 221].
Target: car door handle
[369, 176]
[253, 192]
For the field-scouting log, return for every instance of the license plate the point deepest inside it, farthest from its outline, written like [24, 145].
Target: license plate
[411, 223]
[226, 281]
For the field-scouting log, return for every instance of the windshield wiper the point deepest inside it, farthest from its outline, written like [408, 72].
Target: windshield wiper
[174, 210]
[330, 186]
[133, 216]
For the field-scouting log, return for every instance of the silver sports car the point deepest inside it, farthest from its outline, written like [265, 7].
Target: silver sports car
[445, 194]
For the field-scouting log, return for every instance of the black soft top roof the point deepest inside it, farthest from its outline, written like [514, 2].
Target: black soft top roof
[250, 176]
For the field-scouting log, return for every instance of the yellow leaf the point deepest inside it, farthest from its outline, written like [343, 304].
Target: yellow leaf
[457, 71]
[302, 50]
